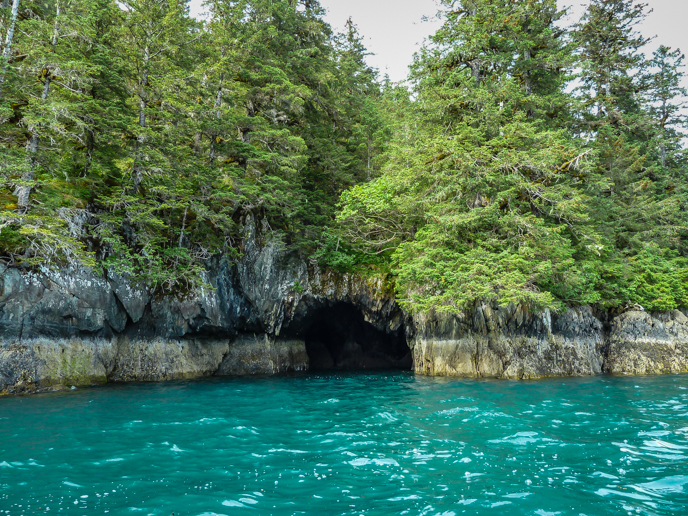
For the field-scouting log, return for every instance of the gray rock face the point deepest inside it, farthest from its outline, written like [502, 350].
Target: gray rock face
[640, 343]
[251, 354]
[508, 342]
[73, 327]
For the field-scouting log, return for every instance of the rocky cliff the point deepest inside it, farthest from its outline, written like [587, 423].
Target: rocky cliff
[266, 314]
[74, 327]
[511, 342]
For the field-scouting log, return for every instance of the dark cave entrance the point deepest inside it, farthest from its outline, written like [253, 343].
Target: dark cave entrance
[338, 337]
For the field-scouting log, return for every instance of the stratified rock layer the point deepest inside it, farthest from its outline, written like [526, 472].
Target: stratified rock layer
[72, 327]
[642, 343]
[509, 342]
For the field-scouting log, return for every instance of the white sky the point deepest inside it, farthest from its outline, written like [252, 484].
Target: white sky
[393, 29]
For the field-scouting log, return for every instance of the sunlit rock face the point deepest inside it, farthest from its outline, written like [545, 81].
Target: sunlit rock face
[270, 313]
[643, 343]
[509, 342]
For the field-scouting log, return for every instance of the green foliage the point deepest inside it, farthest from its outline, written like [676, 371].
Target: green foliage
[150, 135]
[659, 279]
[499, 184]
[140, 140]
[335, 255]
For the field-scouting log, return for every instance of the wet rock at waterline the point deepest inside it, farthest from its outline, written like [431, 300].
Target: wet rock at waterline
[642, 343]
[509, 342]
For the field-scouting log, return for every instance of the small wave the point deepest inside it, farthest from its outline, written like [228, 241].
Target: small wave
[521, 439]
[457, 410]
[606, 492]
[517, 495]
[362, 461]
[404, 498]
[209, 420]
[657, 443]
[654, 433]
[232, 503]
[668, 485]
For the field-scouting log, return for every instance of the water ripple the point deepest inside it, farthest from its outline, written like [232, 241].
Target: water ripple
[373, 444]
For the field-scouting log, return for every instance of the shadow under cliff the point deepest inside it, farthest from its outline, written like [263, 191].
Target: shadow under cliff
[338, 337]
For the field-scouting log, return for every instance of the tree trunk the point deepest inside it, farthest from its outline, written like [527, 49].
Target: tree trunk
[218, 103]
[662, 146]
[90, 147]
[368, 143]
[8, 43]
[475, 64]
[528, 79]
[181, 235]
[23, 192]
[138, 168]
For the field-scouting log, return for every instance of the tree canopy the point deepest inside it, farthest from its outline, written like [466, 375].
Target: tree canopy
[524, 161]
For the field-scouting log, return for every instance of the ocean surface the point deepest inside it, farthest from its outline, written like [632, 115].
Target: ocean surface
[335, 444]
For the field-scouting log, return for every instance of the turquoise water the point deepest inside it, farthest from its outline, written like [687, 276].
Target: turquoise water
[353, 444]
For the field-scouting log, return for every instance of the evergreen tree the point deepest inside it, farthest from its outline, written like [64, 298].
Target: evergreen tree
[610, 54]
[481, 198]
[144, 208]
[10, 22]
[636, 221]
[666, 105]
[138, 139]
[359, 137]
[51, 110]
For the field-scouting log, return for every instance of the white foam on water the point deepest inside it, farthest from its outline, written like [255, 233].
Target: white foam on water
[232, 503]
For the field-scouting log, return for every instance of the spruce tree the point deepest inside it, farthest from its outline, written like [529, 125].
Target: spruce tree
[637, 222]
[666, 104]
[481, 198]
[610, 54]
[51, 109]
[10, 22]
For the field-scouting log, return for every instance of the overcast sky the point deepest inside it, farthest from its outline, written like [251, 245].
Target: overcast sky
[393, 29]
